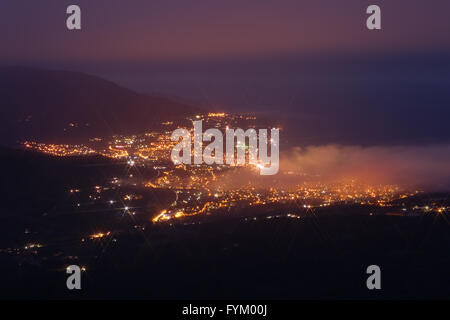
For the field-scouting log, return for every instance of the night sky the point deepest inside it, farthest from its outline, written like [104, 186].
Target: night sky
[143, 30]
[313, 63]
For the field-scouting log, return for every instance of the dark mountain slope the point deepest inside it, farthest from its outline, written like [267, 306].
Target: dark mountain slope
[63, 106]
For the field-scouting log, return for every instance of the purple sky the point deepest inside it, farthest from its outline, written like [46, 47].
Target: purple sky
[34, 31]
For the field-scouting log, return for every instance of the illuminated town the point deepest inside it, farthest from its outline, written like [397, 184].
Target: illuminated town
[201, 190]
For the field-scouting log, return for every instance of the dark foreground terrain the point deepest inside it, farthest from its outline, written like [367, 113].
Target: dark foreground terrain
[322, 255]
[264, 259]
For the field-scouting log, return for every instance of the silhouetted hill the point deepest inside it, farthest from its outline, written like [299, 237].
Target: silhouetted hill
[35, 182]
[62, 106]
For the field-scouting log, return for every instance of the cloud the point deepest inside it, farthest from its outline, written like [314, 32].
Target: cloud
[425, 167]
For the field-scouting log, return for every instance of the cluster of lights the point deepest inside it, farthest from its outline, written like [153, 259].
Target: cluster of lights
[59, 150]
[197, 188]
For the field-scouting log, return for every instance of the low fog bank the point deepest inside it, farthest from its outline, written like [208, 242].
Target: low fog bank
[424, 167]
